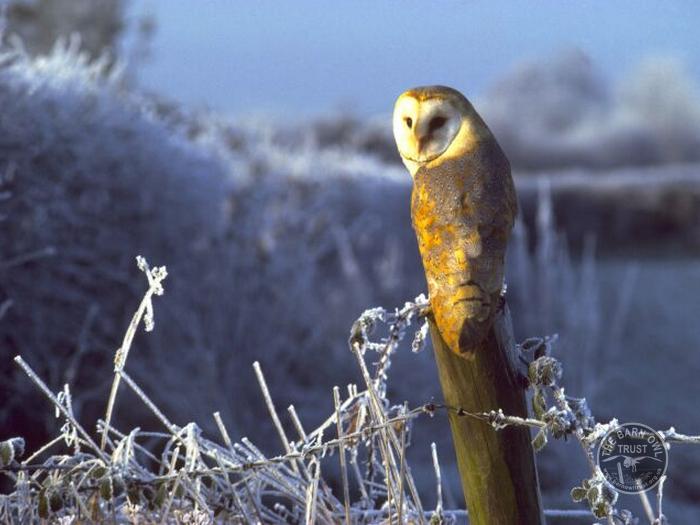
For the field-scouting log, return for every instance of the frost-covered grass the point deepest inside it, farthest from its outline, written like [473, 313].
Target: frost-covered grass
[177, 475]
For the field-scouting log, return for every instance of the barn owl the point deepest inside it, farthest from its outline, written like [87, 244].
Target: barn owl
[463, 206]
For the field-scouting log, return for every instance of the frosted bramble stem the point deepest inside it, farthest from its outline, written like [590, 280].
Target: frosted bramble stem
[155, 278]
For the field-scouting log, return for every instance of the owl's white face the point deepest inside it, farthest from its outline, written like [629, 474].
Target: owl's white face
[424, 129]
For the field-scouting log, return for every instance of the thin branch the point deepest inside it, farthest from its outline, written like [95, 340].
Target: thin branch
[19, 260]
[155, 279]
[438, 479]
[343, 465]
[37, 381]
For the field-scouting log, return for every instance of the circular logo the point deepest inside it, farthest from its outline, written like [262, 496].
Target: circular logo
[633, 458]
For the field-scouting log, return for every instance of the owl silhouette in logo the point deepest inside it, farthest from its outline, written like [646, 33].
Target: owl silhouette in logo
[630, 462]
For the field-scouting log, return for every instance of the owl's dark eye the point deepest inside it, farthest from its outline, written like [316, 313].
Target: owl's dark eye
[436, 123]
[409, 122]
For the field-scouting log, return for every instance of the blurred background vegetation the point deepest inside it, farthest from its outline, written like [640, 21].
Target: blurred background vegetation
[277, 232]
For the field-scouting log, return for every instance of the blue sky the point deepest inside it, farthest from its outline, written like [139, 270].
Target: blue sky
[308, 56]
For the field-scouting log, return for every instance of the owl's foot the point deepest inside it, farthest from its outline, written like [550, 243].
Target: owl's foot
[478, 309]
[475, 302]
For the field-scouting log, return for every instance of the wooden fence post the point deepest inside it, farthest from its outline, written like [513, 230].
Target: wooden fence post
[497, 467]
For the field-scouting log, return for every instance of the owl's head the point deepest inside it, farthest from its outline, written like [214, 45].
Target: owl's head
[434, 123]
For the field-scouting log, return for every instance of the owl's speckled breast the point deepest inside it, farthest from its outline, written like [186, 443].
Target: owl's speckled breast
[463, 260]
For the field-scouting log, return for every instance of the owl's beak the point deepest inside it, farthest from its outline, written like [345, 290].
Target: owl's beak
[422, 141]
[422, 147]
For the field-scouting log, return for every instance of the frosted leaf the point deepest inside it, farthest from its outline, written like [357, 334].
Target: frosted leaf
[545, 371]
[559, 422]
[540, 440]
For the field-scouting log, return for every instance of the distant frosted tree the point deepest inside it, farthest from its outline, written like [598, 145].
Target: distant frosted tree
[39, 23]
